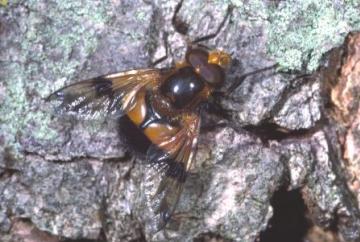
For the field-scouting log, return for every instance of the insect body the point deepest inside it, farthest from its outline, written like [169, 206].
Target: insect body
[163, 105]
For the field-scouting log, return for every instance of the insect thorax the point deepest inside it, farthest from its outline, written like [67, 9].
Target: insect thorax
[182, 87]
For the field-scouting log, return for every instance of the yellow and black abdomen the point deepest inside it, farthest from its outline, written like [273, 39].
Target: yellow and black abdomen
[143, 125]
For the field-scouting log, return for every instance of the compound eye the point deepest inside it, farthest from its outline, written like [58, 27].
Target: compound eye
[197, 57]
[213, 74]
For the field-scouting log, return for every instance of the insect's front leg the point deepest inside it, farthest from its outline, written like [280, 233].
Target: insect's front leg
[241, 78]
[218, 30]
[163, 58]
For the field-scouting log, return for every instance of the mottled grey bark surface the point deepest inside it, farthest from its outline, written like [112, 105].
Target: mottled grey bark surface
[75, 179]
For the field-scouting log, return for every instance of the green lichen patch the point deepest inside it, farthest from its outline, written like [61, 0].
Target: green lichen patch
[300, 32]
[3, 3]
[48, 42]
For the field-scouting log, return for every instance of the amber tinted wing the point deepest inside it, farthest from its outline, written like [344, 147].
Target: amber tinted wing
[171, 159]
[112, 95]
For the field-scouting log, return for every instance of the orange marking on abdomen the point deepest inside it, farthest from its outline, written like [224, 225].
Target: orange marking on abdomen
[138, 113]
[158, 133]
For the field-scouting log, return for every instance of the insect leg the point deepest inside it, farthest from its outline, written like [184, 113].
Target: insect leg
[161, 59]
[241, 78]
[221, 25]
[179, 25]
[214, 107]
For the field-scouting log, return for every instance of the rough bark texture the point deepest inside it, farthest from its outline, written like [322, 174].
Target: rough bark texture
[290, 141]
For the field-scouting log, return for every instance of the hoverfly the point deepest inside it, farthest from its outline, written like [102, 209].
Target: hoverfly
[163, 105]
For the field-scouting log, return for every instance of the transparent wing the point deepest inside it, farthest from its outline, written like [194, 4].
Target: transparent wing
[171, 160]
[109, 95]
